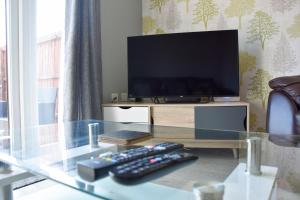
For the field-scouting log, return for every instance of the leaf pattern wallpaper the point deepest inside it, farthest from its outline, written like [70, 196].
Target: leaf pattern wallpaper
[239, 8]
[294, 29]
[269, 38]
[158, 4]
[262, 28]
[204, 11]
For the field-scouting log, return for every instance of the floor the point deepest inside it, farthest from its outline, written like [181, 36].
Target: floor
[203, 170]
[213, 164]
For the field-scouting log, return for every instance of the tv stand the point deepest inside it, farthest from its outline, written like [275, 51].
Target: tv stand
[220, 115]
[212, 115]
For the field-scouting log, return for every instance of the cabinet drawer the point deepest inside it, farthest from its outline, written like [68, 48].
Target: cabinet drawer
[173, 116]
[126, 114]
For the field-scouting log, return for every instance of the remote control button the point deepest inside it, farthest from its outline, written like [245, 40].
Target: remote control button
[158, 159]
[120, 167]
[160, 148]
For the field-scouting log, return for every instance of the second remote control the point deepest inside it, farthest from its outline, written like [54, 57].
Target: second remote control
[143, 166]
[92, 169]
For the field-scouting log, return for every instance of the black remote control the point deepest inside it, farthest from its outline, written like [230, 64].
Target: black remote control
[92, 169]
[143, 166]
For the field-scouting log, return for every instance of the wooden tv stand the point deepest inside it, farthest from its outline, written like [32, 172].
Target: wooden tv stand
[214, 115]
[179, 115]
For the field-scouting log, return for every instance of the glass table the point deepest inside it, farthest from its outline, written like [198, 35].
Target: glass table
[53, 151]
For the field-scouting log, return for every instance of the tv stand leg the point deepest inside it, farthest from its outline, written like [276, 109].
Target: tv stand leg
[235, 153]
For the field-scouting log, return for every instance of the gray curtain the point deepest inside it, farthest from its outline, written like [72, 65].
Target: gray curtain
[83, 74]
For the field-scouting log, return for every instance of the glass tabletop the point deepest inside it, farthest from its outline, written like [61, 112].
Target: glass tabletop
[54, 150]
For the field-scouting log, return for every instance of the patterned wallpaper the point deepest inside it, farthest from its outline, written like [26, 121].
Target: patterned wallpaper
[269, 37]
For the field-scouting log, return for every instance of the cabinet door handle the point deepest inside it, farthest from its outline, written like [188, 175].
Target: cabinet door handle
[245, 123]
[124, 107]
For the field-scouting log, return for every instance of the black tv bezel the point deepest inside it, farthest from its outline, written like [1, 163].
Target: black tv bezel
[183, 96]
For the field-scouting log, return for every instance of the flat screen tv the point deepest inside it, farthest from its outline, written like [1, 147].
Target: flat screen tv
[196, 64]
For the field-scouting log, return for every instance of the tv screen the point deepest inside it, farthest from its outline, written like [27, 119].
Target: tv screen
[197, 64]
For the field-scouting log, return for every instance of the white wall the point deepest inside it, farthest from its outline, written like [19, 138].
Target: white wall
[119, 19]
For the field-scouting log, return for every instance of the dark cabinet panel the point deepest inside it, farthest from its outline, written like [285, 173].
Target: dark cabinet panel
[220, 118]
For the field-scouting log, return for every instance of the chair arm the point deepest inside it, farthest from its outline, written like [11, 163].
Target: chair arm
[281, 114]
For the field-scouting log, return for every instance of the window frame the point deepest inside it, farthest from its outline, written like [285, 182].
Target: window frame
[21, 62]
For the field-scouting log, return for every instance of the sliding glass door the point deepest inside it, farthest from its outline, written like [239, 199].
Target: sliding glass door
[50, 15]
[31, 63]
[3, 72]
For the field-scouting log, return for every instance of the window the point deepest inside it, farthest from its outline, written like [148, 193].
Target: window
[50, 29]
[3, 70]
[34, 40]
[49, 64]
